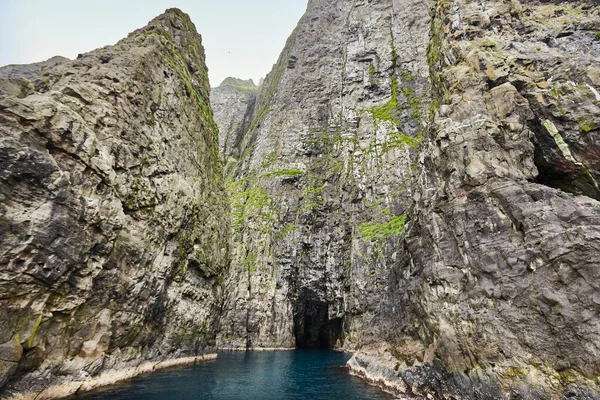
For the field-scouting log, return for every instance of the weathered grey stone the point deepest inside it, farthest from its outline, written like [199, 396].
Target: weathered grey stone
[322, 184]
[474, 122]
[233, 104]
[113, 212]
[493, 294]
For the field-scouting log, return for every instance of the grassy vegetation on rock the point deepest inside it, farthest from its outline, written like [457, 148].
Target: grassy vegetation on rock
[375, 231]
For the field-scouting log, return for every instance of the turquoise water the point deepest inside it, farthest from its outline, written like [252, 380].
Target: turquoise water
[300, 374]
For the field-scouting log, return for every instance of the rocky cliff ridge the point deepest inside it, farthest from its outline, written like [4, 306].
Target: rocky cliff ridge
[495, 293]
[233, 102]
[113, 214]
[474, 122]
[320, 190]
[414, 180]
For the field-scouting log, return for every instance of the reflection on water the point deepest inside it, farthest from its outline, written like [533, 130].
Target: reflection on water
[300, 374]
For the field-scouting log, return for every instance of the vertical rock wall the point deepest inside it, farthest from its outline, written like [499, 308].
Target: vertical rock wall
[320, 193]
[113, 214]
[496, 293]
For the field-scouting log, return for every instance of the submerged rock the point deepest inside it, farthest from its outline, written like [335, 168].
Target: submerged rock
[112, 210]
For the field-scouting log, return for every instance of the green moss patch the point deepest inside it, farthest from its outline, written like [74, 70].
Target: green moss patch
[588, 126]
[376, 231]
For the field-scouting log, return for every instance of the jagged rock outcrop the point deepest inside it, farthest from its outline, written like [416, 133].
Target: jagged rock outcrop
[320, 192]
[113, 213]
[495, 293]
[414, 179]
[233, 105]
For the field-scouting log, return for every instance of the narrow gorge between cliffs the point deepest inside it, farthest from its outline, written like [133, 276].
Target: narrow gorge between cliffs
[409, 200]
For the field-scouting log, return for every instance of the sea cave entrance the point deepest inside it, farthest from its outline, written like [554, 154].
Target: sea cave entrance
[312, 327]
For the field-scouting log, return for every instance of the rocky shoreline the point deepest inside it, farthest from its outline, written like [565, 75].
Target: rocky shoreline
[108, 378]
[379, 368]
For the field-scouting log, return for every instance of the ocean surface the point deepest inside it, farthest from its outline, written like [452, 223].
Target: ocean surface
[300, 374]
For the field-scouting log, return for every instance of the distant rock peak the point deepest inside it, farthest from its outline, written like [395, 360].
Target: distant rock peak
[239, 83]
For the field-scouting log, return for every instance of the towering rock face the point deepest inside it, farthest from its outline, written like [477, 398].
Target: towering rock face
[322, 186]
[233, 104]
[414, 179]
[113, 213]
[496, 292]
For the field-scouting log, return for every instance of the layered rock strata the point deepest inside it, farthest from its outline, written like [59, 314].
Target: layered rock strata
[113, 213]
[495, 293]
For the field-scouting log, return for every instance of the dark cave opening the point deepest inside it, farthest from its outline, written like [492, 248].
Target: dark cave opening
[556, 171]
[312, 327]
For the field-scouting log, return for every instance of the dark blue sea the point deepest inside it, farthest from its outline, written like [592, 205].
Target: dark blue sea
[300, 374]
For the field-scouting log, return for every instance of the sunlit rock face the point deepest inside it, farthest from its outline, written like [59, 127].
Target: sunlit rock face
[495, 294]
[113, 215]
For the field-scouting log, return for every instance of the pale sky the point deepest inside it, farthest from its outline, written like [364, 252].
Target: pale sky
[242, 38]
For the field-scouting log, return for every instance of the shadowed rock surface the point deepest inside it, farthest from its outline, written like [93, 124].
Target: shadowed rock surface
[113, 213]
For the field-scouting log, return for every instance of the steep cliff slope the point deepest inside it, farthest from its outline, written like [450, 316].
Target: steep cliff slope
[321, 190]
[496, 292]
[415, 179]
[233, 105]
[113, 213]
